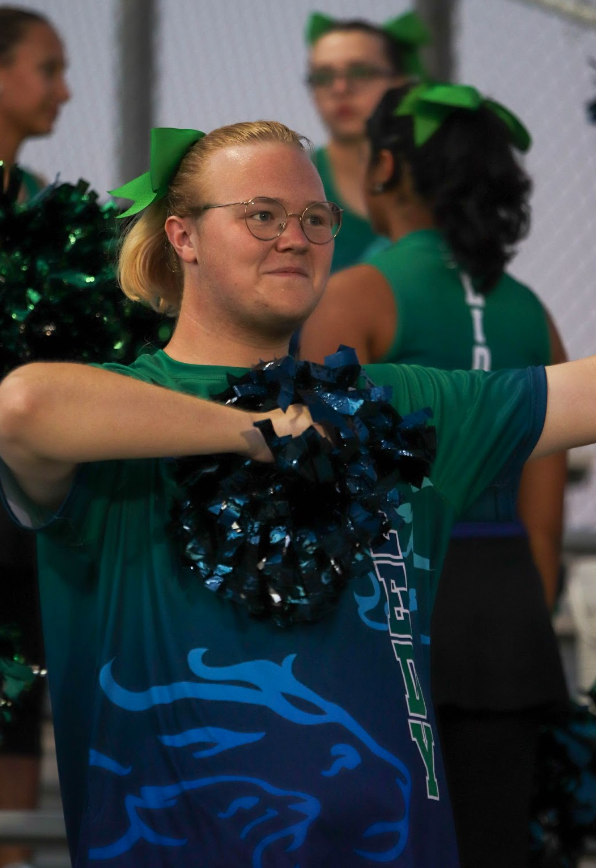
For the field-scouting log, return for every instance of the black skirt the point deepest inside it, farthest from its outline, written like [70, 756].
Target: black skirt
[492, 642]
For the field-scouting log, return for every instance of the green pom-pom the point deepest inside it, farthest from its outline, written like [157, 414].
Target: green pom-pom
[59, 299]
[16, 674]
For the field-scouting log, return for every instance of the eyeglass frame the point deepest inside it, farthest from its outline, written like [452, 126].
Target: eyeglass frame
[377, 73]
[339, 211]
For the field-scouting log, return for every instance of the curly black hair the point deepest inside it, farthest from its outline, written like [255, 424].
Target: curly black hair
[468, 174]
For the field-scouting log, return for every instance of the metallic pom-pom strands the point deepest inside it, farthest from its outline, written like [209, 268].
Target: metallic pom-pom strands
[284, 539]
[59, 299]
[564, 809]
[16, 675]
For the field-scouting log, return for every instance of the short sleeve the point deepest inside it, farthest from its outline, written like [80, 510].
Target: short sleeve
[487, 423]
[69, 520]
[25, 512]
[89, 480]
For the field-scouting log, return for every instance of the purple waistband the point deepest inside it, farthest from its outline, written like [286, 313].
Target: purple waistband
[465, 529]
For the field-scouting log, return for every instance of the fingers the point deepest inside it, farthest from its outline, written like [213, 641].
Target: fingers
[293, 422]
[256, 446]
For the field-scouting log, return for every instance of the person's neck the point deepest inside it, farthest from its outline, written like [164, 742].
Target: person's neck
[195, 344]
[346, 154]
[349, 170]
[10, 143]
[410, 218]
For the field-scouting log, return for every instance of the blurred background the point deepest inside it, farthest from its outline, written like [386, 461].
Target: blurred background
[134, 64]
[202, 63]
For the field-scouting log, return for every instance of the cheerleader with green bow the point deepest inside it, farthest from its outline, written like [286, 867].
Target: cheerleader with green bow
[445, 184]
[351, 63]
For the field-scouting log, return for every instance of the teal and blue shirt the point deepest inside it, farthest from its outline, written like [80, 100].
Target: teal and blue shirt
[190, 735]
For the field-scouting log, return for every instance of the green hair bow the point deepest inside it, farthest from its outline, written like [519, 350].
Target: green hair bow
[408, 30]
[168, 147]
[430, 104]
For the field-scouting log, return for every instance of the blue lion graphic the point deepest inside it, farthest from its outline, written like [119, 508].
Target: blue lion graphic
[265, 815]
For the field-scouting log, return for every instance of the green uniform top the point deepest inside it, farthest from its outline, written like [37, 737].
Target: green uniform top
[356, 234]
[189, 733]
[443, 323]
[31, 185]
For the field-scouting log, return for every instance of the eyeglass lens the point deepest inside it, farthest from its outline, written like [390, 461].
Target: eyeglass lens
[354, 75]
[267, 218]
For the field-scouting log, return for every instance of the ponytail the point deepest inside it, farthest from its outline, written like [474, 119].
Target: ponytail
[148, 269]
[468, 175]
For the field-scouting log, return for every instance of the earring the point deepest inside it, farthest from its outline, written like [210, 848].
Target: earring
[377, 188]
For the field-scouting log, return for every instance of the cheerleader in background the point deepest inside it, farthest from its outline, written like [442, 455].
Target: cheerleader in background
[32, 90]
[445, 186]
[351, 64]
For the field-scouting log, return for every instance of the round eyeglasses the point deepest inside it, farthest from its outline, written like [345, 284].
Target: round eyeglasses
[356, 76]
[267, 218]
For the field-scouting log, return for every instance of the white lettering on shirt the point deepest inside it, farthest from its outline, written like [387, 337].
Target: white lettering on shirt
[391, 572]
[481, 354]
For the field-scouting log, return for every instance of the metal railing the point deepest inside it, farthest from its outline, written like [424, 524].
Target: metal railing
[579, 542]
[34, 828]
[573, 10]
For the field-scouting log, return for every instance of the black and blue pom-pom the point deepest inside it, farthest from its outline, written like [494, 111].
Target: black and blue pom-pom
[564, 809]
[284, 539]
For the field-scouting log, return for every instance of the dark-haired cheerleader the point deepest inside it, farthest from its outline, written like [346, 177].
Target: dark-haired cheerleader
[32, 91]
[444, 183]
[351, 63]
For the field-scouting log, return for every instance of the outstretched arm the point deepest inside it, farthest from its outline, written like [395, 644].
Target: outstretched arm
[541, 500]
[571, 407]
[357, 310]
[54, 416]
[540, 506]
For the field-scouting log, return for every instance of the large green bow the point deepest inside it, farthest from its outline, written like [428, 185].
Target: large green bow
[408, 30]
[168, 147]
[430, 104]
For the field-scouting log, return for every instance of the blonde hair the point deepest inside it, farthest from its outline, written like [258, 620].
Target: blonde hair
[148, 268]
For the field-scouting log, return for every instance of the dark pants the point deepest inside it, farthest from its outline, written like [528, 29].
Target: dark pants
[19, 607]
[490, 764]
